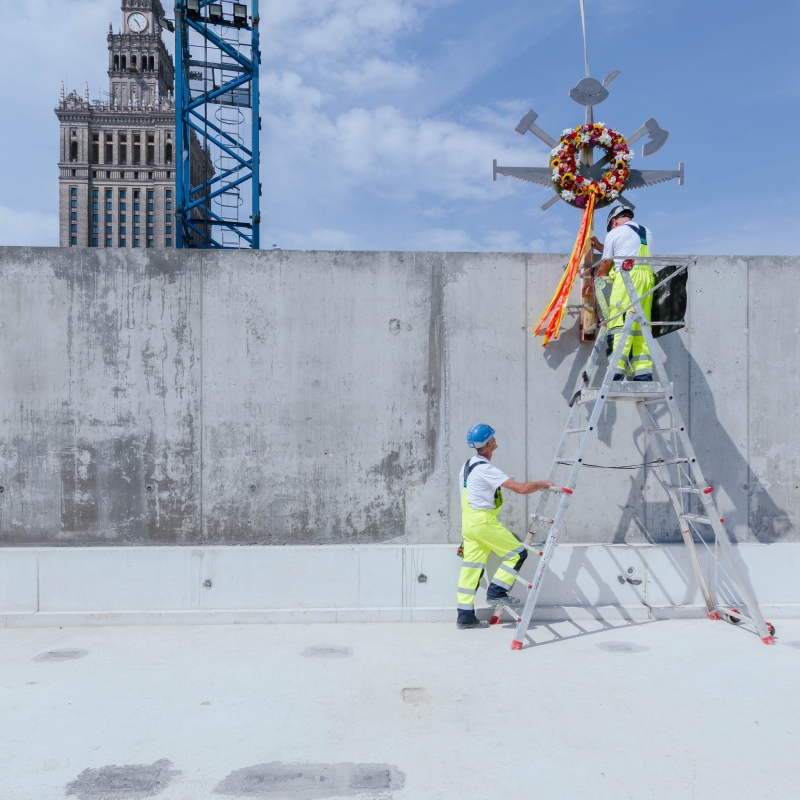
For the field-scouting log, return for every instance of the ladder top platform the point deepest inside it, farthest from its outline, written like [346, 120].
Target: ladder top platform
[630, 390]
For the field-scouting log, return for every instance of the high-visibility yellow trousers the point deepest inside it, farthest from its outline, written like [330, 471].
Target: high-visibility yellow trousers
[636, 359]
[484, 534]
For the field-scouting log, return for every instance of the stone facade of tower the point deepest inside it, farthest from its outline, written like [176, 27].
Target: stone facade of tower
[117, 157]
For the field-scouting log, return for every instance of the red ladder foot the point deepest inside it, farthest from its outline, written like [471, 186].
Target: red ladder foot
[515, 645]
[494, 620]
[714, 615]
[767, 640]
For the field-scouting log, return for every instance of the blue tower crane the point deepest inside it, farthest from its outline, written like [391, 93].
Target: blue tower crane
[217, 124]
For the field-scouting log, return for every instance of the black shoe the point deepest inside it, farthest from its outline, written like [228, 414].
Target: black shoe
[619, 376]
[472, 623]
[644, 378]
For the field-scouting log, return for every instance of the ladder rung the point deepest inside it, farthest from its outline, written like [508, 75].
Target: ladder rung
[577, 430]
[542, 518]
[683, 490]
[695, 518]
[525, 583]
[663, 430]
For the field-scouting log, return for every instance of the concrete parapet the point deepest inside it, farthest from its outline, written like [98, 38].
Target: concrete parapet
[286, 398]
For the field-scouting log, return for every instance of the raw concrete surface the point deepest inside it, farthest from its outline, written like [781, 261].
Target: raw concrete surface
[658, 711]
[179, 397]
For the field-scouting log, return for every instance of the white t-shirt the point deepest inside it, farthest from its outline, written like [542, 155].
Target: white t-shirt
[481, 483]
[623, 242]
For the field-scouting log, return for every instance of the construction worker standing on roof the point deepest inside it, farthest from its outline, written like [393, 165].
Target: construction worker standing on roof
[481, 501]
[627, 240]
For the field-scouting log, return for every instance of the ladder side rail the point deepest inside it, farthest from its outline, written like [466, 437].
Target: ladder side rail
[677, 505]
[552, 536]
[732, 559]
[710, 506]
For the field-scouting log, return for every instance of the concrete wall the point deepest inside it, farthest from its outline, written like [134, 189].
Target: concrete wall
[365, 583]
[157, 397]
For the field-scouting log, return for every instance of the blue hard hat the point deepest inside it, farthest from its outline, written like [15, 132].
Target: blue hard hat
[479, 434]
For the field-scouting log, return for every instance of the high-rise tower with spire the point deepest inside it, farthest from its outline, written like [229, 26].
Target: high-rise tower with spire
[117, 155]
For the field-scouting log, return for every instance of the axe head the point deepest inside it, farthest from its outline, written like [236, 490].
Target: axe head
[658, 137]
[588, 92]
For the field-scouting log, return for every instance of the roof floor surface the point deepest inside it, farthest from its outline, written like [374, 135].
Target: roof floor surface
[670, 709]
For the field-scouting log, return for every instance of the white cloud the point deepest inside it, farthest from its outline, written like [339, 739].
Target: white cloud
[377, 74]
[29, 228]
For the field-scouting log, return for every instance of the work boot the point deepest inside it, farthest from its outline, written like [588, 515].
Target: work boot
[472, 623]
[618, 376]
[644, 378]
[504, 599]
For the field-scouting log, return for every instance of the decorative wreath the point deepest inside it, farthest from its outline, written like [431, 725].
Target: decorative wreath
[576, 188]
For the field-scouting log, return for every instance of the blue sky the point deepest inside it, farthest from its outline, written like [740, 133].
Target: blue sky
[382, 117]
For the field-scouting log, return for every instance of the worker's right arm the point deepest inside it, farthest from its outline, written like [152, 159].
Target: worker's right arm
[526, 487]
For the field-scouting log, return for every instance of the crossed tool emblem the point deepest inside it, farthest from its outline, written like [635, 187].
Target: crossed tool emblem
[589, 92]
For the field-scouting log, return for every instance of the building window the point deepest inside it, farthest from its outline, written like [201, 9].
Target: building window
[137, 148]
[74, 173]
[135, 242]
[168, 153]
[95, 204]
[73, 151]
[136, 217]
[136, 232]
[109, 194]
[149, 194]
[123, 217]
[94, 218]
[116, 62]
[95, 148]
[73, 228]
[73, 191]
[73, 240]
[109, 148]
[73, 204]
[73, 215]
[168, 205]
[123, 63]
[94, 242]
[122, 243]
[108, 230]
[123, 148]
[109, 205]
[95, 192]
[150, 242]
[123, 193]
[169, 217]
[150, 175]
[108, 243]
[123, 231]
[168, 231]
[151, 232]
[152, 63]
[150, 219]
[108, 218]
[151, 149]
[133, 63]
[94, 230]
[94, 173]
[169, 242]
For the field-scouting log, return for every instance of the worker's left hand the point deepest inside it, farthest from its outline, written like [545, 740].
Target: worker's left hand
[597, 244]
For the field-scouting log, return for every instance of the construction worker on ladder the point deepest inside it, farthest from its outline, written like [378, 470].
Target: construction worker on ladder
[480, 484]
[626, 240]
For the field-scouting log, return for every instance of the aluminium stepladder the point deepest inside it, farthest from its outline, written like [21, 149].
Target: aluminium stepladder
[675, 466]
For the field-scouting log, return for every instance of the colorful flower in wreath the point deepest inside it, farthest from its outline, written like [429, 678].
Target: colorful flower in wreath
[575, 188]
